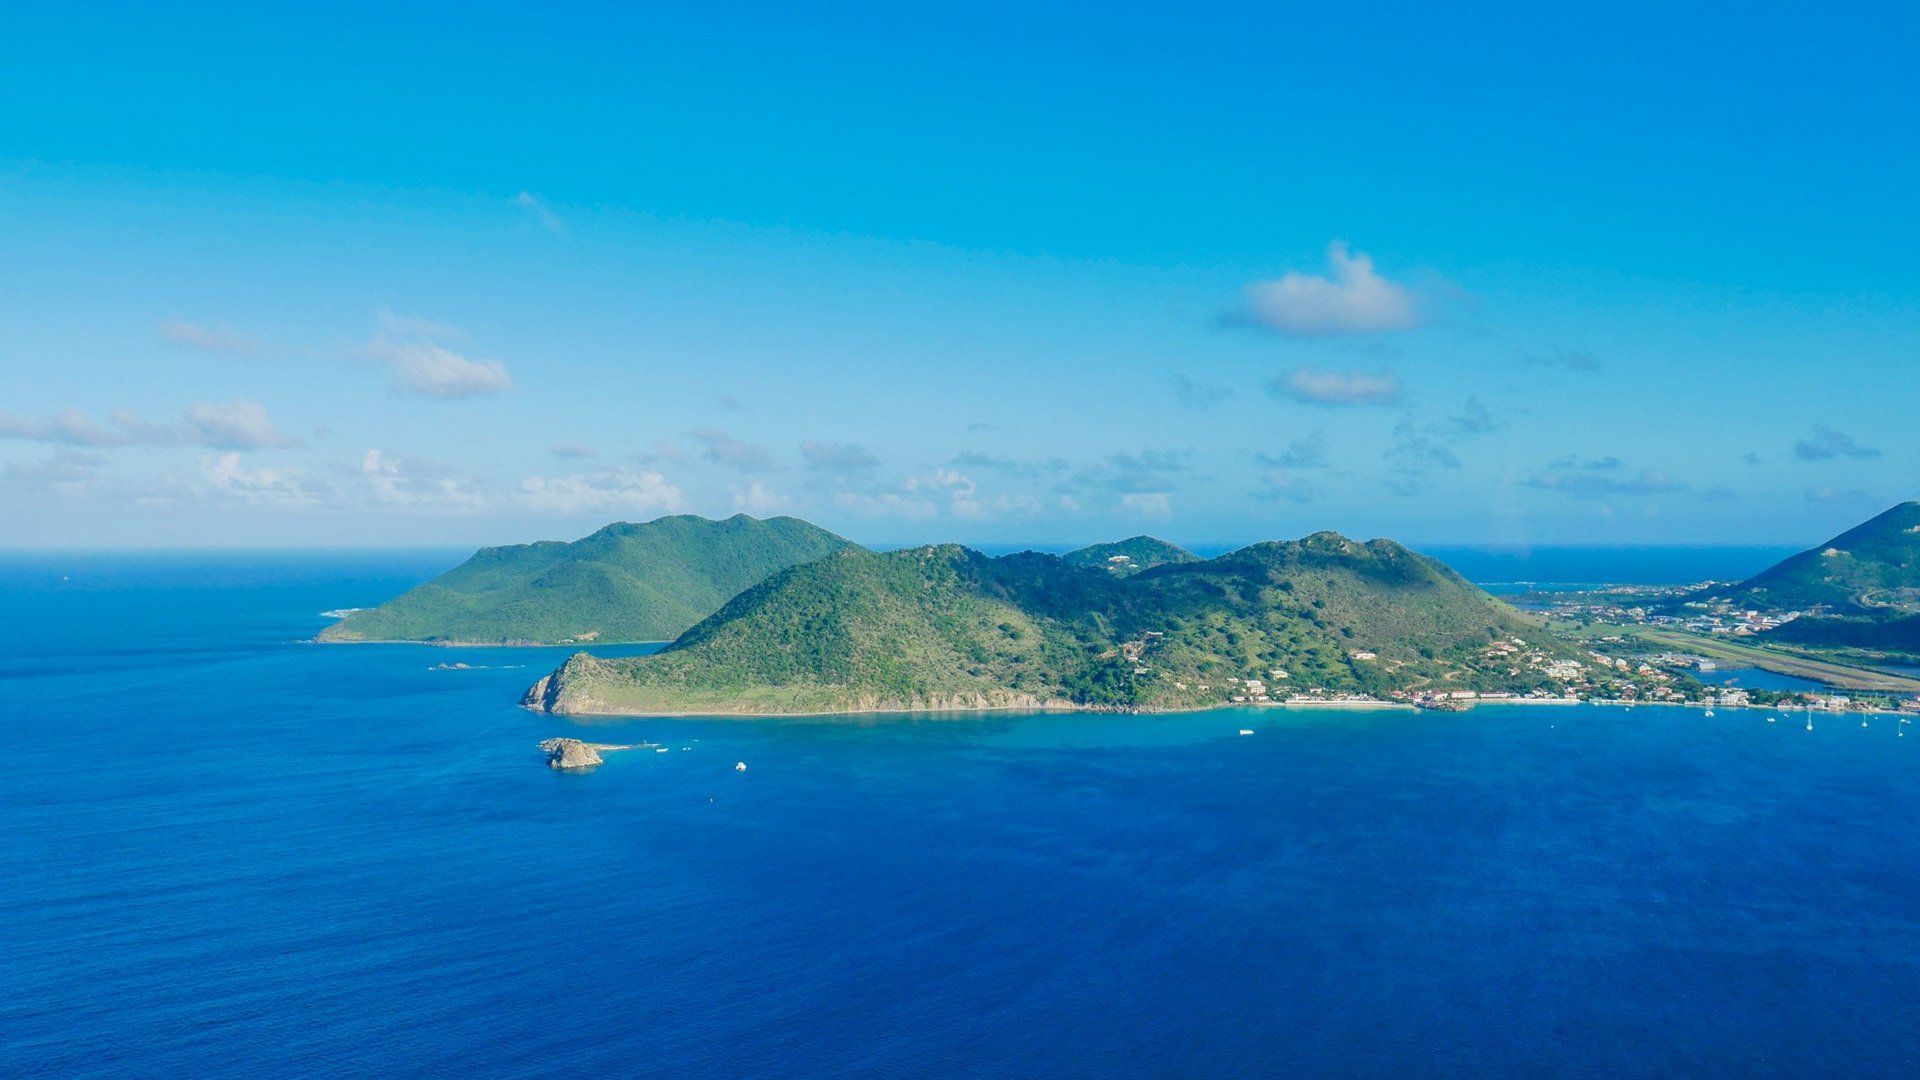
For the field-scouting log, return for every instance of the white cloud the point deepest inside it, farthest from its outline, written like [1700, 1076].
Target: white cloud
[1826, 443]
[1349, 299]
[400, 480]
[538, 207]
[663, 450]
[1604, 482]
[1313, 387]
[888, 504]
[68, 427]
[67, 473]
[724, 449]
[217, 339]
[429, 368]
[620, 490]
[415, 326]
[235, 425]
[263, 487]
[925, 496]
[239, 424]
[1155, 503]
[756, 499]
[962, 494]
[1279, 484]
[1306, 452]
[838, 457]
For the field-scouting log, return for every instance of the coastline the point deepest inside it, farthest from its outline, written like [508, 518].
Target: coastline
[1059, 707]
[1355, 706]
[583, 645]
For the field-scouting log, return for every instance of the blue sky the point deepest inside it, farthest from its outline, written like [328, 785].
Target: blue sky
[464, 274]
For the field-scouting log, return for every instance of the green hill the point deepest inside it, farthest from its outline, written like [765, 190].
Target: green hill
[1871, 570]
[627, 582]
[1131, 556]
[1898, 634]
[945, 627]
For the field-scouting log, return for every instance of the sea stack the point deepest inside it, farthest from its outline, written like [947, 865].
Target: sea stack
[573, 754]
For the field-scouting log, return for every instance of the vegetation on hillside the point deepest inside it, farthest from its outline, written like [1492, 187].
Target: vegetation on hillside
[627, 582]
[1871, 570]
[1860, 590]
[1130, 556]
[947, 627]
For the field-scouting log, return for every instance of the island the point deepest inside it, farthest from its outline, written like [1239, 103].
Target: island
[941, 628]
[627, 582]
[574, 754]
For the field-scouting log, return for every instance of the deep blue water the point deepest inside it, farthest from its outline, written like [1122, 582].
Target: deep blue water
[223, 852]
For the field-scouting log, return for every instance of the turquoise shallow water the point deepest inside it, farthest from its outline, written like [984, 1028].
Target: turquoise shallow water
[225, 852]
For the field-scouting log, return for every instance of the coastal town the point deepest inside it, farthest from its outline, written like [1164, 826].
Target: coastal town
[1662, 678]
[1692, 608]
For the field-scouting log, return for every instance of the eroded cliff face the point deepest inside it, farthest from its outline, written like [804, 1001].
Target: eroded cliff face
[574, 754]
[570, 754]
[573, 689]
[551, 693]
[543, 695]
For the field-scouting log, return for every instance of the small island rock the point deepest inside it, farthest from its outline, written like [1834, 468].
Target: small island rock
[574, 754]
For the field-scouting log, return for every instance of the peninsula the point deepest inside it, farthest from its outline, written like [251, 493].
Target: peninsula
[944, 628]
[626, 582]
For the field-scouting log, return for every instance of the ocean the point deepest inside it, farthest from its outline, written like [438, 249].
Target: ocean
[224, 851]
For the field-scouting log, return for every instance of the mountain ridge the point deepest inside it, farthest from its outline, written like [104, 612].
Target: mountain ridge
[945, 627]
[646, 581]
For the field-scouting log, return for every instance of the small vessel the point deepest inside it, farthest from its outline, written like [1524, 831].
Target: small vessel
[1709, 712]
[1246, 731]
[1809, 723]
[1771, 719]
[659, 749]
[739, 766]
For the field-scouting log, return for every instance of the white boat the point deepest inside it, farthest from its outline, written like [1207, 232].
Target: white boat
[1246, 731]
[1771, 719]
[739, 766]
[1709, 712]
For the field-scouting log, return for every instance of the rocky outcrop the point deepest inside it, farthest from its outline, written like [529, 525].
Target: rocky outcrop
[574, 754]
[567, 689]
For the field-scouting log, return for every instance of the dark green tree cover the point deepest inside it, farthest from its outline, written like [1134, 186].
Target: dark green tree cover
[627, 582]
[1861, 588]
[1142, 553]
[947, 626]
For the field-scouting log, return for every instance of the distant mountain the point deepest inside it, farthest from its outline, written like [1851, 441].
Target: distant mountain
[1871, 570]
[1131, 556]
[627, 582]
[949, 628]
